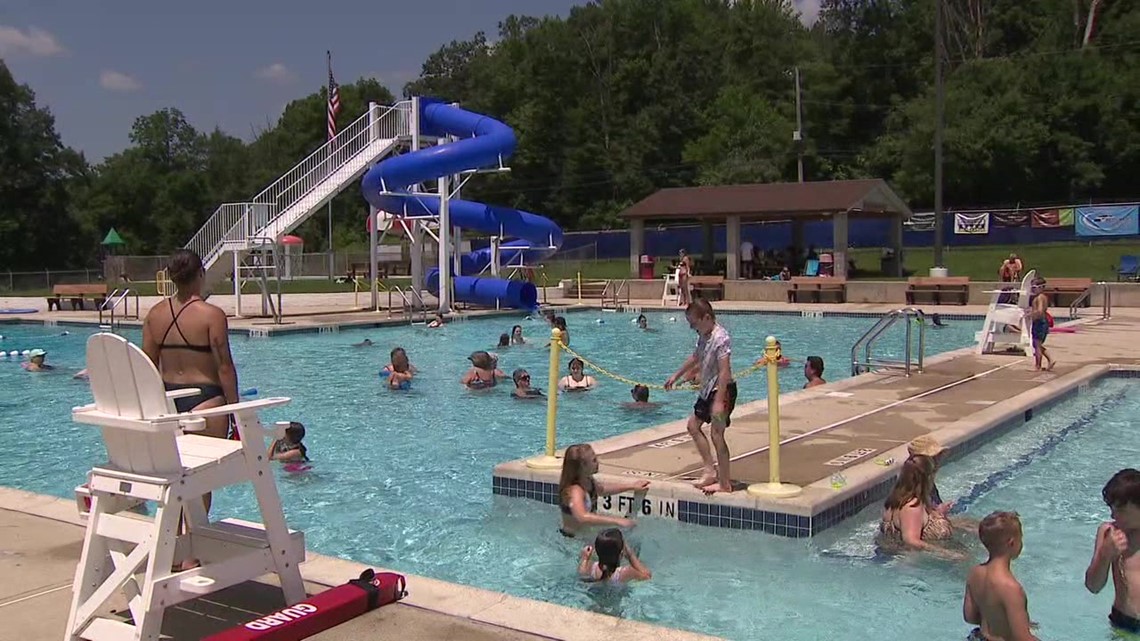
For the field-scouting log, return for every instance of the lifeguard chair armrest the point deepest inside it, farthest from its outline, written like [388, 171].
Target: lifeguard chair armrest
[234, 408]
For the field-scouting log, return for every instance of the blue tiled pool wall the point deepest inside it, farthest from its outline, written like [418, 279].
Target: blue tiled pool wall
[792, 525]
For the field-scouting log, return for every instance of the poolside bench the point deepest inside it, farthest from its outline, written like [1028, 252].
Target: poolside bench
[76, 294]
[938, 290]
[815, 287]
[1063, 292]
[707, 287]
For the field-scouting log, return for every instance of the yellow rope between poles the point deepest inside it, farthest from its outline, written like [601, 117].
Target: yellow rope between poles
[628, 381]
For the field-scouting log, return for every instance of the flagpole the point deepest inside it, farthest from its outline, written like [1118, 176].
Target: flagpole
[332, 255]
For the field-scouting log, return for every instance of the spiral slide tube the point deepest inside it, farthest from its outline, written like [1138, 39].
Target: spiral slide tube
[485, 142]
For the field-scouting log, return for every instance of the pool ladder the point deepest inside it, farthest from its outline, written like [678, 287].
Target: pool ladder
[867, 341]
[411, 301]
[112, 302]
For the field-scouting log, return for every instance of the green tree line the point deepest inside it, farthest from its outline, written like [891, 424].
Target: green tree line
[624, 97]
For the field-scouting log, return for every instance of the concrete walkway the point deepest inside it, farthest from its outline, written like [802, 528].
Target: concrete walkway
[41, 540]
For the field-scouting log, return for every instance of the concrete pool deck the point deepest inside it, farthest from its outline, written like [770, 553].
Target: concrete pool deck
[41, 538]
[853, 427]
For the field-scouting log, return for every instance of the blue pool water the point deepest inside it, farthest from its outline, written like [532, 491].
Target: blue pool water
[402, 480]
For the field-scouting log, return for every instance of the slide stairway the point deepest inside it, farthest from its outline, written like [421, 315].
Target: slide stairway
[483, 143]
[302, 191]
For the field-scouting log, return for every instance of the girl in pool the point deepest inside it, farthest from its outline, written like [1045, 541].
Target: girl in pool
[578, 492]
[517, 335]
[560, 323]
[290, 449]
[504, 340]
[484, 372]
[610, 546]
[577, 381]
[400, 377]
[399, 356]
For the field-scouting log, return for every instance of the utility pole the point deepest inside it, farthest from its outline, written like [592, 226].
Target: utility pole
[939, 97]
[798, 134]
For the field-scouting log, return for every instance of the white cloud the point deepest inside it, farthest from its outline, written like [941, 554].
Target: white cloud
[276, 73]
[118, 81]
[809, 11]
[32, 41]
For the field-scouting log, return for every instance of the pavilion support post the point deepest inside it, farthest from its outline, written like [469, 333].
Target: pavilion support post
[797, 242]
[636, 246]
[732, 248]
[839, 252]
[896, 240]
[708, 248]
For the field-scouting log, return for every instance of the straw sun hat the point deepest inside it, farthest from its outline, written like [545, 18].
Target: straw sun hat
[925, 446]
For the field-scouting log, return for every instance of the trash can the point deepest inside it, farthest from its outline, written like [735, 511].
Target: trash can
[648, 267]
[939, 272]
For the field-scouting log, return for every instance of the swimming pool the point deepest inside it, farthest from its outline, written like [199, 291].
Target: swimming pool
[403, 479]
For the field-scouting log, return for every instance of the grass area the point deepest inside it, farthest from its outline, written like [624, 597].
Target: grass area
[1083, 260]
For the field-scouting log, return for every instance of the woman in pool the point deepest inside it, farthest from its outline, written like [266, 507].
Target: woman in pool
[188, 339]
[610, 546]
[484, 373]
[401, 375]
[522, 385]
[909, 519]
[36, 362]
[399, 355]
[438, 321]
[643, 323]
[578, 492]
[577, 381]
[517, 335]
[560, 323]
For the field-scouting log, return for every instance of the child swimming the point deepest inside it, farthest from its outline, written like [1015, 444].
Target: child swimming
[291, 448]
[610, 546]
[1117, 544]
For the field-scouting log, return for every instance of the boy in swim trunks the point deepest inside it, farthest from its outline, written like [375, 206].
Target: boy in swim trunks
[994, 600]
[1117, 543]
[717, 396]
[1039, 329]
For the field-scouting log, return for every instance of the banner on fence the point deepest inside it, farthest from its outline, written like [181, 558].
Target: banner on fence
[1108, 220]
[921, 221]
[1011, 218]
[972, 224]
[1052, 218]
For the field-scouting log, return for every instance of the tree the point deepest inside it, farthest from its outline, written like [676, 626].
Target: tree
[35, 170]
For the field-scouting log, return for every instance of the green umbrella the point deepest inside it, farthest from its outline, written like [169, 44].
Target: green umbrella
[113, 238]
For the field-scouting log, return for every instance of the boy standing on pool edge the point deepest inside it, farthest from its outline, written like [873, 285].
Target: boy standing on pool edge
[717, 396]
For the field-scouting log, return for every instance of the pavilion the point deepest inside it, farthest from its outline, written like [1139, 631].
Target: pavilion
[837, 200]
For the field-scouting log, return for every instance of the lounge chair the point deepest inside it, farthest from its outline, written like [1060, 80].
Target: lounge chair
[154, 456]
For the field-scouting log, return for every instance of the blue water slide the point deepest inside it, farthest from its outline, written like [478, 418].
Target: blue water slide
[484, 143]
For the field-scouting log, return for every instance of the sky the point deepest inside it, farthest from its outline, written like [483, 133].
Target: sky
[235, 64]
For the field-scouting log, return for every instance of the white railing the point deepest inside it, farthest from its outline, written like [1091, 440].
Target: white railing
[237, 222]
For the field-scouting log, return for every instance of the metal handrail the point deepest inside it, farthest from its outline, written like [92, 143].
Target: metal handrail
[229, 221]
[1106, 301]
[403, 297]
[112, 302]
[868, 339]
[617, 287]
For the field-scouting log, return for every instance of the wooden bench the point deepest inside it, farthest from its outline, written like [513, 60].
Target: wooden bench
[76, 294]
[707, 287]
[938, 290]
[1063, 292]
[815, 287]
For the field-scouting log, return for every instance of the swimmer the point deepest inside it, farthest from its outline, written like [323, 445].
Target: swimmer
[504, 340]
[522, 385]
[517, 335]
[610, 546]
[577, 381]
[401, 375]
[640, 394]
[484, 372]
[399, 355]
[36, 361]
[643, 323]
[995, 600]
[560, 323]
[783, 362]
[578, 492]
[1115, 552]
[438, 321]
[813, 372]
[936, 320]
[291, 448]
[364, 343]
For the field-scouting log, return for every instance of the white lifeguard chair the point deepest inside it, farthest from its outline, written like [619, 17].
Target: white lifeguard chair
[152, 457]
[1009, 308]
[672, 292]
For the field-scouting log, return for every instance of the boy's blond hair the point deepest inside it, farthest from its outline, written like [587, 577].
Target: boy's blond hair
[997, 529]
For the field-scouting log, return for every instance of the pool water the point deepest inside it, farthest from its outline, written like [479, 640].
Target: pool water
[402, 479]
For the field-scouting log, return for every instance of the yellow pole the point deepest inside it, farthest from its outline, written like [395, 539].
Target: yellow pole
[773, 488]
[579, 288]
[548, 461]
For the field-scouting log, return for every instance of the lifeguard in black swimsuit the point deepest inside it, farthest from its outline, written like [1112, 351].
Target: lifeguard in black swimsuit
[188, 339]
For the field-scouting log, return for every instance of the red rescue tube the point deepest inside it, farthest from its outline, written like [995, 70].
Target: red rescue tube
[321, 611]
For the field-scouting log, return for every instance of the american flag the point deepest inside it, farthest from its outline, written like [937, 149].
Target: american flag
[334, 100]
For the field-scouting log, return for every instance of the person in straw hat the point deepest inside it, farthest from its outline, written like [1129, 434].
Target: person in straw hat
[927, 445]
